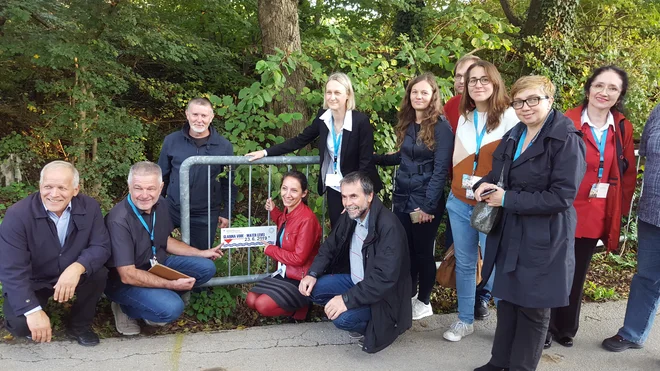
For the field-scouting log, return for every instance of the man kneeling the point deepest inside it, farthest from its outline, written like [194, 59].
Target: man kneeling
[362, 271]
[140, 228]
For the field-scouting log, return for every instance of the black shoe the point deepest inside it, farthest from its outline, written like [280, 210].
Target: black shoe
[566, 341]
[481, 311]
[87, 337]
[548, 341]
[618, 344]
[490, 367]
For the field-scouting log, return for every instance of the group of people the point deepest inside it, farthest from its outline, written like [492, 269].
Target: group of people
[560, 182]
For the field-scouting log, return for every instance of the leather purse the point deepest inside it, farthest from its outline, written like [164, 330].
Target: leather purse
[446, 273]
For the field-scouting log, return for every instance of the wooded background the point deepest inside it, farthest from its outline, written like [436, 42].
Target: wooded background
[100, 83]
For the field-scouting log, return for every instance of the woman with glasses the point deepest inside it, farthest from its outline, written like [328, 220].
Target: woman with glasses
[541, 161]
[425, 143]
[485, 117]
[607, 188]
[345, 142]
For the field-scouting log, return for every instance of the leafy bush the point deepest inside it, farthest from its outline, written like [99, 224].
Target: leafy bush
[599, 293]
[214, 304]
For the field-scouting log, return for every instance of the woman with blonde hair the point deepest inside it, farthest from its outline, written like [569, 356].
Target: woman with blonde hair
[485, 117]
[346, 142]
[425, 143]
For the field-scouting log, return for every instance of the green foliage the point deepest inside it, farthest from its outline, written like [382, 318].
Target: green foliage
[13, 193]
[626, 261]
[599, 293]
[214, 304]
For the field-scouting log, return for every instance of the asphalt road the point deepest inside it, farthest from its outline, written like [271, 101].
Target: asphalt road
[319, 346]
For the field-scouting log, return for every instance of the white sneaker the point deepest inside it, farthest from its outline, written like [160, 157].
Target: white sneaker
[124, 324]
[421, 310]
[458, 330]
[155, 324]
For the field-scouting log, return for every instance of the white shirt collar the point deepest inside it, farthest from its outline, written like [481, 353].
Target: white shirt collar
[348, 119]
[608, 122]
[67, 209]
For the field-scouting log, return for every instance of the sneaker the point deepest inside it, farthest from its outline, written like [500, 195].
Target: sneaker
[618, 344]
[481, 310]
[458, 330]
[355, 335]
[124, 324]
[155, 324]
[421, 310]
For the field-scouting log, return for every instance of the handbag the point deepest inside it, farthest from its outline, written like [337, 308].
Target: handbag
[446, 273]
[484, 217]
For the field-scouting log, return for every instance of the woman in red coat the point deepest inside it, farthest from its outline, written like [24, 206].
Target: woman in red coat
[607, 188]
[298, 240]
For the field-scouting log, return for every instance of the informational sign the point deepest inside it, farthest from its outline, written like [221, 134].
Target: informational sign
[247, 236]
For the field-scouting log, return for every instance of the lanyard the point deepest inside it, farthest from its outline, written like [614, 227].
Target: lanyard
[480, 137]
[519, 148]
[144, 224]
[336, 141]
[601, 148]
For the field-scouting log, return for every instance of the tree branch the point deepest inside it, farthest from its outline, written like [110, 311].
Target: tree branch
[506, 7]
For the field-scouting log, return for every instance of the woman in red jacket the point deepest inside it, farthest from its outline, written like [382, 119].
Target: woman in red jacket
[298, 240]
[607, 188]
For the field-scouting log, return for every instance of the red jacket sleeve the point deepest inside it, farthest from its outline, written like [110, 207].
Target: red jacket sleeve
[630, 176]
[306, 237]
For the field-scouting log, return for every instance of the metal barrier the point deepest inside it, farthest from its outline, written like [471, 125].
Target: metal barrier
[233, 162]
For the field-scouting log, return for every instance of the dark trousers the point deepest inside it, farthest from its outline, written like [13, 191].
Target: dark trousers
[421, 237]
[519, 336]
[565, 321]
[202, 233]
[335, 206]
[88, 293]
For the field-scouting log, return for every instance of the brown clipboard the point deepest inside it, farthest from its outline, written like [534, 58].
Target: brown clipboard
[166, 272]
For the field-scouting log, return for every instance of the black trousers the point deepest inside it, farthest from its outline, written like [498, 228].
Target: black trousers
[422, 262]
[88, 293]
[565, 321]
[519, 336]
[335, 206]
[202, 234]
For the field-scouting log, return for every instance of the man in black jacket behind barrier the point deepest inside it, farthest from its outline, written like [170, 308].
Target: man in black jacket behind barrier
[362, 271]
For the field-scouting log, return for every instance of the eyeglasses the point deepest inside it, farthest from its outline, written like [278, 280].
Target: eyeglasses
[484, 81]
[531, 102]
[612, 89]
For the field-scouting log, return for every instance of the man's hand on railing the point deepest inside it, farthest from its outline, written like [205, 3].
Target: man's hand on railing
[224, 223]
[256, 155]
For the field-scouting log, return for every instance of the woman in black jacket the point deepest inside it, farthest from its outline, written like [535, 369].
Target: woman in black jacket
[346, 142]
[541, 162]
[426, 144]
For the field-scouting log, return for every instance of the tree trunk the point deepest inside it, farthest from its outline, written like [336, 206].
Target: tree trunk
[278, 21]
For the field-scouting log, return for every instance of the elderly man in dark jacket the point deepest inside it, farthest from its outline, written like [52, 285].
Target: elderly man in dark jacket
[53, 243]
[198, 138]
[368, 292]
[541, 162]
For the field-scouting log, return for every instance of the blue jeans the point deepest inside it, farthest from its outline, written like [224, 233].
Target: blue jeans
[156, 304]
[645, 287]
[466, 242]
[329, 286]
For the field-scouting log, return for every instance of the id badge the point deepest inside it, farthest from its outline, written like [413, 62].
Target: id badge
[332, 180]
[599, 190]
[153, 262]
[469, 194]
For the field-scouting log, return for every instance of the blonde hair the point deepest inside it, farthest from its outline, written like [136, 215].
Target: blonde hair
[345, 81]
[534, 82]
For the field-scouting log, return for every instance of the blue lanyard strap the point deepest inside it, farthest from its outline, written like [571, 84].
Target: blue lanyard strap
[336, 140]
[480, 137]
[144, 224]
[519, 148]
[601, 148]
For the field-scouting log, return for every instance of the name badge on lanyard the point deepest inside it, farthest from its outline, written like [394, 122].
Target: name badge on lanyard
[153, 261]
[599, 190]
[468, 181]
[332, 180]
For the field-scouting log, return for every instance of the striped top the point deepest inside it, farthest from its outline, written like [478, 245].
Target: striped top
[465, 146]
